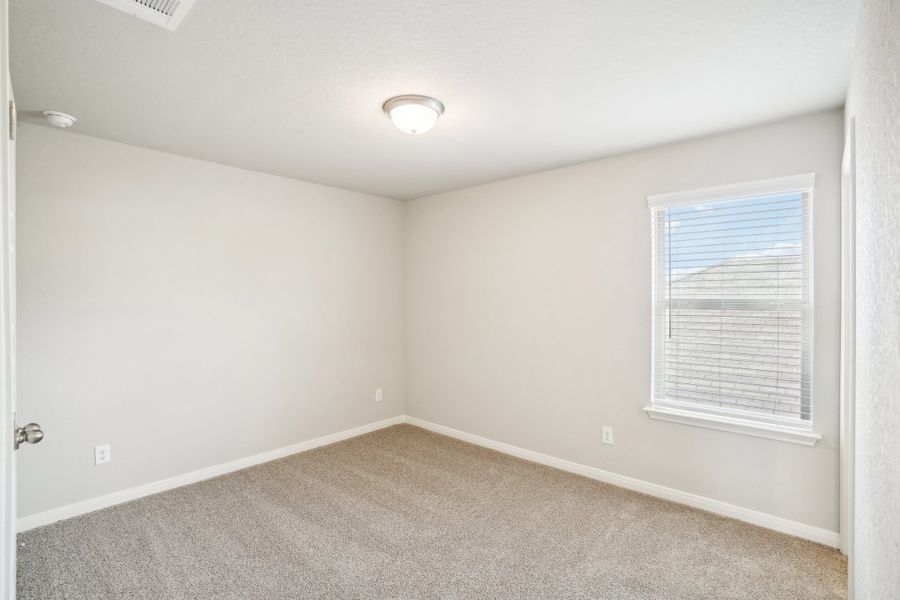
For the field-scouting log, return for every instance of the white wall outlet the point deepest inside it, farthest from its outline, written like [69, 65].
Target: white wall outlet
[608, 435]
[102, 454]
[379, 395]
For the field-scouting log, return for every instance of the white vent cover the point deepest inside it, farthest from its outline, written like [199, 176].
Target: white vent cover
[165, 13]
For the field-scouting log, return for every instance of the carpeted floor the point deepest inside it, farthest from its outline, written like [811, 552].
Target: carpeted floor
[405, 513]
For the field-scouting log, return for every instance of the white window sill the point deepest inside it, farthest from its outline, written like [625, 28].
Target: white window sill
[770, 431]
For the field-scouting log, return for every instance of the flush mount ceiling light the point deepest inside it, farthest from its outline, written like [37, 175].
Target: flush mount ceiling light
[59, 119]
[413, 114]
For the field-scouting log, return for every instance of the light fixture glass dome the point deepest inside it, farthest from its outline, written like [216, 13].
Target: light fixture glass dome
[413, 114]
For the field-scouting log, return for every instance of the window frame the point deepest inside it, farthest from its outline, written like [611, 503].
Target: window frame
[722, 418]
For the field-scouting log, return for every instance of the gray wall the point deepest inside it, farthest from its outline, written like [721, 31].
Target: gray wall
[874, 103]
[529, 313]
[190, 313]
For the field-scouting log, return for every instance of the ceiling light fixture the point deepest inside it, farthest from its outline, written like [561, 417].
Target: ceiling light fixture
[413, 114]
[59, 119]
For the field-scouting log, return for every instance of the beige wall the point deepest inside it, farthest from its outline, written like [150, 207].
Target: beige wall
[528, 317]
[874, 105]
[190, 313]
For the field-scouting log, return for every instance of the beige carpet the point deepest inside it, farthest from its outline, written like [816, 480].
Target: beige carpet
[405, 513]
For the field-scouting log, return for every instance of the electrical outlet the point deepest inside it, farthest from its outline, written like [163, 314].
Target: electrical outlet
[379, 395]
[608, 435]
[102, 454]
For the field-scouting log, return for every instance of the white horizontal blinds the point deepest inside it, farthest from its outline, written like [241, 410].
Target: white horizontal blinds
[732, 300]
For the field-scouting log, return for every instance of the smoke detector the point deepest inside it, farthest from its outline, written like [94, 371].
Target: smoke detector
[165, 13]
[59, 119]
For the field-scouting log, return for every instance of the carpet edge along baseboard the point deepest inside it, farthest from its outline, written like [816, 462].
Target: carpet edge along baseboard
[747, 515]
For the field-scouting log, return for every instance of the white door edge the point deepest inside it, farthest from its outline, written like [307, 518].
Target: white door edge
[848, 344]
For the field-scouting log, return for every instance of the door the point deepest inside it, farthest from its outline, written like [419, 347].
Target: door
[7, 320]
[11, 435]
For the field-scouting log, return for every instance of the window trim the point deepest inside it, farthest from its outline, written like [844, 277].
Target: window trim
[732, 424]
[735, 191]
[724, 419]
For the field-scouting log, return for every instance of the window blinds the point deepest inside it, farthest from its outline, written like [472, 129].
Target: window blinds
[732, 306]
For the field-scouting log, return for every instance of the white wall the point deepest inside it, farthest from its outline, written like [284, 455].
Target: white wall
[528, 317]
[874, 104]
[191, 314]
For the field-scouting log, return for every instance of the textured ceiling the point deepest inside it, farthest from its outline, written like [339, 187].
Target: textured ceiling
[295, 87]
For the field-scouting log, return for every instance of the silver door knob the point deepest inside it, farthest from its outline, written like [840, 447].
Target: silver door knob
[30, 433]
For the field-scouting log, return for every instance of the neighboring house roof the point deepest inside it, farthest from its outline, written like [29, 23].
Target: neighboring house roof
[746, 277]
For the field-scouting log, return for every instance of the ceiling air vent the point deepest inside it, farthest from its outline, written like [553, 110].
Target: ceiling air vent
[165, 13]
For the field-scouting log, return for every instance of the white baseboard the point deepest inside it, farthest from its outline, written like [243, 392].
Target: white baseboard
[79, 508]
[795, 528]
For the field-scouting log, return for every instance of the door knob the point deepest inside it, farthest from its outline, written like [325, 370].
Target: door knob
[30, 433]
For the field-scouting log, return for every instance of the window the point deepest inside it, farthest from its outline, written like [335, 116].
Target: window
[732, 318]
